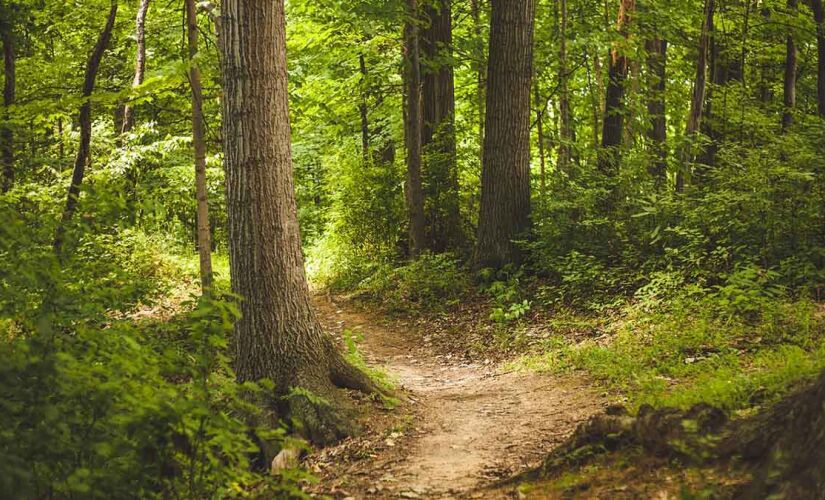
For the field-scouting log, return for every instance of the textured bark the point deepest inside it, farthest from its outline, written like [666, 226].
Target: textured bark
[441, 213]
[140, 62]
[697, 100]
[204, 237]
[819, 19]
[505, 176]
[789, 84]
[278, 335]
[614, 105]
[787, 443]
[85, 121]
[10, 80]
[565, 123]
[657, 131]
[414, 190]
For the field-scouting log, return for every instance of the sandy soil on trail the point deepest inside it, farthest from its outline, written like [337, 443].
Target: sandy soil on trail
[465, 425]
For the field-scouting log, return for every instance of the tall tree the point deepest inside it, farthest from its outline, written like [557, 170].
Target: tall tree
[438, 129]
[505, 175]
[413, 129]
[278, 336]
[697, 101]
[565, 122]
[9, 83]
[204, 239]
[789, 84]
[614, 105]
[657, 129]
[478, 63]
[84, 119]
[819, 19]
[140, 61]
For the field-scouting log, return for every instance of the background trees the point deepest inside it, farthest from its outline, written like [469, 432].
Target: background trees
[595, 156]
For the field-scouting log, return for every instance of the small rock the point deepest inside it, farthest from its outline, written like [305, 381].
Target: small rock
[285, 459]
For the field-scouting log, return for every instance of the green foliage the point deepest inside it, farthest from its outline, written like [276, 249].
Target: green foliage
[686, 352]
[115, 412]
[429, 283]
[503, 286]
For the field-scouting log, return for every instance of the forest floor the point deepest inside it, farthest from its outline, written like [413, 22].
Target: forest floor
[461, 426]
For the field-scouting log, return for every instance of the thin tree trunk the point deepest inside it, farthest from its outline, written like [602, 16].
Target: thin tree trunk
[85, 121]
[819, 19]
[278, 336]
[614, 105]
[6, 133]
[565, 126]
[540, 108]
[412, 77]
[480, 87]
[657, 131]
[204, 238]
[789, 87]
[140, 62]
[363, 109]
[505, 177]
[443, 223]
[694, 120]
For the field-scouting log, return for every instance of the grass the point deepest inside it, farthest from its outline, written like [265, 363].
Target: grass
[690, 353]
[382, 379]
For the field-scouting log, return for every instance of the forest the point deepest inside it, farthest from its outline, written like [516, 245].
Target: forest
[412, 249]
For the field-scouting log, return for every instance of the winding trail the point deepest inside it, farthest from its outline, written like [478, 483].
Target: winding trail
[466, 425]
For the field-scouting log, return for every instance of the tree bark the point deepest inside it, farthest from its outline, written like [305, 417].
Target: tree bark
[789, 86]
[204, 238]
[819, 19]
[565, 124]
[438, 131]
[657, 131]
[140, 62]
[10, 80]
[278, 336]
[413, 132]
[614, 105]
[697, 100]
[505, 176]
[85, 121]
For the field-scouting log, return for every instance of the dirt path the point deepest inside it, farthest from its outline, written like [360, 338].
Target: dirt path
[465, 425]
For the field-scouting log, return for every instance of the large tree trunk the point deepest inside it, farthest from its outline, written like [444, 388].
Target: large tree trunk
[278, 336]
[657, 130]
[697, 101]
[204, 239]
[412, 125]
[505, 177]
[6, 133]
[789, 84]
[565, 123]
[438, 130]
[140, 62]
[85, 121]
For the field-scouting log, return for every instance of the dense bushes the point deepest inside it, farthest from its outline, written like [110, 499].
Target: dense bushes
[96, 404]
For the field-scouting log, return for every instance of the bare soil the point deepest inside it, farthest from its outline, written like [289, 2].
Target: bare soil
[461, 427]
